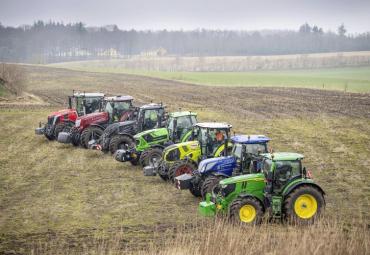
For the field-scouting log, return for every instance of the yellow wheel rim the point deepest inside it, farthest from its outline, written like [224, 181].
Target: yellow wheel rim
[305, 206]
[247, 213]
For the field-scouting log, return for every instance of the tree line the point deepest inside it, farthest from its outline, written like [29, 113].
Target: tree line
[48, 42]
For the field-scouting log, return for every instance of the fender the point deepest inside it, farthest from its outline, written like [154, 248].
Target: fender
[102, 127]
[297, 183]
[244, 195]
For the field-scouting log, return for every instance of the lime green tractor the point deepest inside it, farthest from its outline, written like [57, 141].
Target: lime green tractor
[149, 144]
[208, 140]
[283, 190]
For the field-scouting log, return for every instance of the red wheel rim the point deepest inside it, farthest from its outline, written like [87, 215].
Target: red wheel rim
[183, 170]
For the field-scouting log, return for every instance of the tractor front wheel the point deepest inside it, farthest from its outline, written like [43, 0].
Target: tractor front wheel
[209, 183]
[154, 157]
[120, 142]
[303, 205]
[179, 168]
[247, 210]
[89, 134]
[58, 128]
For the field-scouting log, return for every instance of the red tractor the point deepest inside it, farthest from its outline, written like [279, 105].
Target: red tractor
[79, 104]
[91, 126]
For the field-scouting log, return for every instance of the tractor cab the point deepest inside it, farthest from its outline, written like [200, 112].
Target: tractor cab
[280, 169]
[211, 136]
[151, 116]
[247, 150]
[179, 124]
[85, 103]
[117, 108]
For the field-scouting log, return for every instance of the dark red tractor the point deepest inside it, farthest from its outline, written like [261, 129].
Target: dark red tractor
[91, 126]
[79, 104]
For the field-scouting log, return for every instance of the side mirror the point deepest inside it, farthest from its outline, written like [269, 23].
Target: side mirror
[304, 172]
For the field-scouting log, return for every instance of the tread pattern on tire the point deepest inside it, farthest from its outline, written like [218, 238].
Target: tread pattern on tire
[208, 184]
[288, 206]
[86, 135]
[143, 158]
[117, 140]
[153, 151]
[58, 128]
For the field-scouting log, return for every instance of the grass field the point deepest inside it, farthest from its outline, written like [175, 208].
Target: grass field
[56, 199]
[352, 79]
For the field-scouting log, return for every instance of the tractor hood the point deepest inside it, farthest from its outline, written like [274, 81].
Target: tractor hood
[91, 118]
[61, 112]
[192, 144]
[155, 130]
[217, 164]
[243, 178]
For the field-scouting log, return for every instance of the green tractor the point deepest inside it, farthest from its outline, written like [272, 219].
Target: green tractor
[151, 143]
[208, 140]
[283, 189]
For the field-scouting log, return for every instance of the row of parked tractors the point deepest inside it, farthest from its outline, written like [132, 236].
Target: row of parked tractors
[236, 175]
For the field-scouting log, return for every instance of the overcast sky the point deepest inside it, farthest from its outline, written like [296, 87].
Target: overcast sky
[191, 14]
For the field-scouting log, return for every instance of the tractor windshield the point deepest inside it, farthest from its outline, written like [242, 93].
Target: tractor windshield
[152, 118]
[210, 140]
[116, 109]
[79, 105]
[183, 125]
[256, 149]
[287, 169]
[92, 104]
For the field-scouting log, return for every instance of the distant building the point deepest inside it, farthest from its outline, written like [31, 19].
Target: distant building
[160, 52]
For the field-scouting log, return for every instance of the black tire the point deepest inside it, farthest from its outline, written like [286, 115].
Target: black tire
[120, 142]
[162, 173]
[134, 162]
[237, 216]
[88, 134]
[179, 168]
[143, 159]
[289, 205]
[58, 128]
[209, 183]
[196, 190]
[49, 137]
[154, 156]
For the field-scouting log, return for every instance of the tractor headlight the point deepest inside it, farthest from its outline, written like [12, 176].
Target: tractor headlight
[78, 123]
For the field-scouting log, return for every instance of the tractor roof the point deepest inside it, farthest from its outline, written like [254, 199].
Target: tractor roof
[83, 94]
[281, 156]
[119, 98]
[250, 139]
[181, 114]
[214, 125]
[152, 106]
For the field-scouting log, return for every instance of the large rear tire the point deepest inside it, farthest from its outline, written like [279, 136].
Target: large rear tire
[247, 210]
[154, 157]
[209, 183]
[89, 134]
[179, 168]
[303, 205]
[120, 142]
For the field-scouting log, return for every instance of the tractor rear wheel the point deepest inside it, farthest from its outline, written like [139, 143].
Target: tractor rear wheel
[120, 142]
[154, 157]
[246, 210]
[303, 205]
[179, 168]
[209, 183]
[58, 128]
[89, 134]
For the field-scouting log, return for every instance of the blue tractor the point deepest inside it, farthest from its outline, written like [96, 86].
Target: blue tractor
[244, 159]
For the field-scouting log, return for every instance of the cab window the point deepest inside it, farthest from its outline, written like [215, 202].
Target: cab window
[256, 148]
